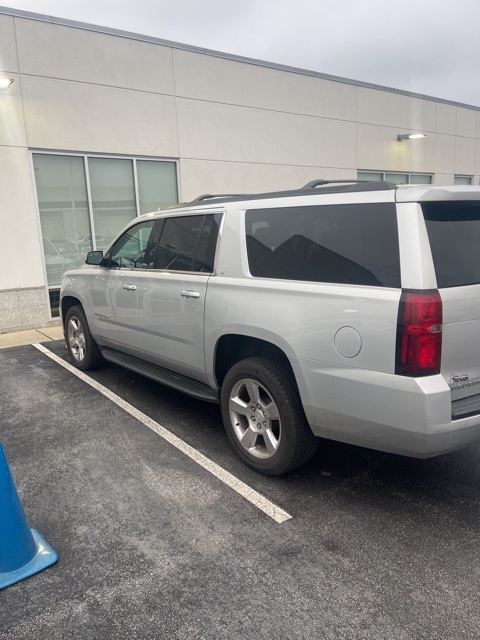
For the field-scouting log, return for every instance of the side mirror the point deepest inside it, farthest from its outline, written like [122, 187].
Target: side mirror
[94, 257]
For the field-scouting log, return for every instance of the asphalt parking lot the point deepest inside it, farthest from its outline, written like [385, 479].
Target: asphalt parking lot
[152, 545]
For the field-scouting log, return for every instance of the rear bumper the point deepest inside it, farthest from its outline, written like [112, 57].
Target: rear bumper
[397, 414]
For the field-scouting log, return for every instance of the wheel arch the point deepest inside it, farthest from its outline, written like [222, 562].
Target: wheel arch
[231, 348]
[67, 303]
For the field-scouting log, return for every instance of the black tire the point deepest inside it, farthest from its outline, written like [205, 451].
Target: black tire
[83, 349]
[264, 418]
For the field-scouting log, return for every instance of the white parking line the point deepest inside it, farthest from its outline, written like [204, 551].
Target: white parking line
[259, 501]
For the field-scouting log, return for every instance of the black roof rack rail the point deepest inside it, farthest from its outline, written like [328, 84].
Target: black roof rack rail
[328, 186]
[372, 184]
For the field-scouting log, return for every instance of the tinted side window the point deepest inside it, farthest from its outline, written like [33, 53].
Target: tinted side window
[454, 232]
[187, 243]
[207, 244]
[349, 244]
[130, 249]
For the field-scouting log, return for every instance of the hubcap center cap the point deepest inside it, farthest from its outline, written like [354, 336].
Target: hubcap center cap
[258, 419]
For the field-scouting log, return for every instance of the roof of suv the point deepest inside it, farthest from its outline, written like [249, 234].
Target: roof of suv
[424, 193]
[403, 193]
[398, 193]
[311, 188]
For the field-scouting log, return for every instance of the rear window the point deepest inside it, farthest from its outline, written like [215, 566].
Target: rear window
[454, 233]
[349, 244]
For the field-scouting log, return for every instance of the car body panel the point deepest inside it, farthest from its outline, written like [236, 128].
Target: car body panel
[171, 320]
[114, 298]
[461, 340]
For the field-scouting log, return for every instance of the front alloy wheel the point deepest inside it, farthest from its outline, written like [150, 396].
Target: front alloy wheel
[76, 339]
[83, 349]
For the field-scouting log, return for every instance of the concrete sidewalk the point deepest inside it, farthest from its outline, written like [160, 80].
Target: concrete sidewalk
[31, 336]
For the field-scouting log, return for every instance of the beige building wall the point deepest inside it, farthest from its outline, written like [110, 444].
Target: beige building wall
[233, 125]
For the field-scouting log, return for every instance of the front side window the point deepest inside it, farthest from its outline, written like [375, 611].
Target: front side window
[187, 243]
[349, 244]
[132, 249]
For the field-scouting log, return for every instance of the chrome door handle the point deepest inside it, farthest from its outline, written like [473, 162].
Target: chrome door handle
[189, 294]
[129, 287]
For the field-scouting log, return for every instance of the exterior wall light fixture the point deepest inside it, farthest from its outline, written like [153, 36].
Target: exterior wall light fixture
[410, 136]
[6, 83]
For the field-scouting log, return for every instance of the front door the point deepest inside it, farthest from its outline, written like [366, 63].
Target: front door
[115, 290]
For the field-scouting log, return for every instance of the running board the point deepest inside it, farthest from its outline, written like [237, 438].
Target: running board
[164, 376]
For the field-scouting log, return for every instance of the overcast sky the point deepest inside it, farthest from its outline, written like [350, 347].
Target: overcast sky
[425, 46]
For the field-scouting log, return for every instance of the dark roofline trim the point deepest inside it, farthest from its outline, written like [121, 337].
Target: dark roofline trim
[310, 189]
[19, 13]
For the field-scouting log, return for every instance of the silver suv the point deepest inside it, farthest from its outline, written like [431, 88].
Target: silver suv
[348, 311]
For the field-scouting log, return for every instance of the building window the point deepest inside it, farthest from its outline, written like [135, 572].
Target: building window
[84, 201]
[396, 178]
[157, 184]
[462, 180]
[113, 197]
[64, 216]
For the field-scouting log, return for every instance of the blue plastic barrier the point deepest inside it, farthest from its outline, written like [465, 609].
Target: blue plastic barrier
[23, 551]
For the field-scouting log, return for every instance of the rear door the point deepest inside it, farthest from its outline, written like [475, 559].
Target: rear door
[173, 292]
[453, 229]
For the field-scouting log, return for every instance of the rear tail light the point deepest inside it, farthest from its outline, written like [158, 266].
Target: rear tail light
[419, 333]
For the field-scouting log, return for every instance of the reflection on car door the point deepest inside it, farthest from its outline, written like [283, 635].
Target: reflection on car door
[172, 321]
[115, 289]
[172, 294]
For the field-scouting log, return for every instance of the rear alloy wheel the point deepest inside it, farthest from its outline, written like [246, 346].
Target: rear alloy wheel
[81, 346]
[263, 416]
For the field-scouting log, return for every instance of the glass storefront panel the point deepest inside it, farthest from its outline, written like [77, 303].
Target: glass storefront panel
[65, 192]
[63, 205]
[113, 197]
[157, 185]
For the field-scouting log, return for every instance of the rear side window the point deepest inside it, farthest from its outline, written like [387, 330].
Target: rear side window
[454, 232]
[349, 244]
